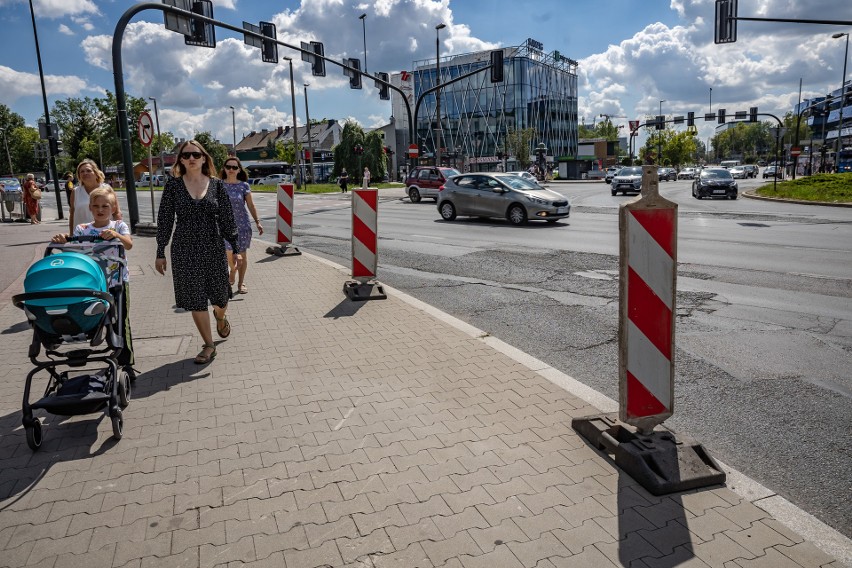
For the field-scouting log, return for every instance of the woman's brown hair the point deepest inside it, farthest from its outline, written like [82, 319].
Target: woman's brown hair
[241, 173]
[207, 168]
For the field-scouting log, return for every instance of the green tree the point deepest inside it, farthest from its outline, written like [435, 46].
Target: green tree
[344, 153]
[10, 122]
[519, 145]
[217, 150]
[21, 143]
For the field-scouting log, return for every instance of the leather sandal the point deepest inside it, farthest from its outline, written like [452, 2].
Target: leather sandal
[243, 289]
[203, 356]
[223, 326]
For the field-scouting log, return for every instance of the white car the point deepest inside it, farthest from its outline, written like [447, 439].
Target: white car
[686, 173]
[274, 179]
[738, 172]
[526, 175]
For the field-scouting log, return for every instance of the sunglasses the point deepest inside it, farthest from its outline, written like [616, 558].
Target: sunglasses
[188, 155]
[230, 167]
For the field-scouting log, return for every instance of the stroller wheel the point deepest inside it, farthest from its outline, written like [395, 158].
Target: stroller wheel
[124, 389]
[117, 424]
[34, 435]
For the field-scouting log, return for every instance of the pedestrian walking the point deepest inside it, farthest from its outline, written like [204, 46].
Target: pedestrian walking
[366, 178]
[69, 187]
[235, 179]
[195, 215]
[343, 180]
[32, 196]
[90, 178]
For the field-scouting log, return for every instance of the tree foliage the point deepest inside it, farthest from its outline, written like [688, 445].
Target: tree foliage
[373, 157]
[519, 145]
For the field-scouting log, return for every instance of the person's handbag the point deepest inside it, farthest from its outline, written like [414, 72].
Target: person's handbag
[35, 193]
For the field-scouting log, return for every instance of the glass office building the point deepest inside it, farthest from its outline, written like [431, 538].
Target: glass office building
[539, 90]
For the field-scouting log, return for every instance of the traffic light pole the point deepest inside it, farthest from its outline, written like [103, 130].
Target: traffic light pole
[121, 98]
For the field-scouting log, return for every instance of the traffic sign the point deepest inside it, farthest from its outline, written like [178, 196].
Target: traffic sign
[795, 151]
[145, 128]
[413, 152]
[634, 125]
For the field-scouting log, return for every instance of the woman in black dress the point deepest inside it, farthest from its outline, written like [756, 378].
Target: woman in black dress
[202, 209]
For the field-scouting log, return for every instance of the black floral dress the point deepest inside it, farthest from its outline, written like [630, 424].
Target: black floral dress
[199, 264]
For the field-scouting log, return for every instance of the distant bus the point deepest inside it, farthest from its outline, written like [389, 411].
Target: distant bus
[728, 164]
[844, 160]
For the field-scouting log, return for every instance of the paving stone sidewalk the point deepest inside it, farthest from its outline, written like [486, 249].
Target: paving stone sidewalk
[333, 433]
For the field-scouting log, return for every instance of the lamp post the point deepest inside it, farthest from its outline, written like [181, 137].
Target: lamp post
[711, 100]
[51, 136]
[438, 29]
[363, 18]
[310, 142]
[159, 139]
[842, 99]
[234, 128]
[660, 139]
[298, 170]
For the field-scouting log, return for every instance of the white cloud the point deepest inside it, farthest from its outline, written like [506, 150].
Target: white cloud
[60, 8]
[63, 29]
[17, 85]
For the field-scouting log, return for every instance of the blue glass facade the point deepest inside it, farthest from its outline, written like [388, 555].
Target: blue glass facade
[538, 91]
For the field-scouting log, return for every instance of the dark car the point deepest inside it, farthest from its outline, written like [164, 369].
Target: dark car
[714, 182]
[426, 181]
[627, 179]
[667, 174]
[773, 172]
[500, 195]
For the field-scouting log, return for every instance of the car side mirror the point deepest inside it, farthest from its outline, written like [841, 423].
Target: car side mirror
[498, 190]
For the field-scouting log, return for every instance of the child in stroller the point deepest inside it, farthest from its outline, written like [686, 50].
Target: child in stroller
[76, 293]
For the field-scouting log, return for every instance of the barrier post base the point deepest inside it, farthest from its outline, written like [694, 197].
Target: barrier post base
[146, 229]
[283, 250]
[362, 291]
[660, 461]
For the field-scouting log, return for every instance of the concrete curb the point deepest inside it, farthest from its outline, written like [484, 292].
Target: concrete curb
[751, 195]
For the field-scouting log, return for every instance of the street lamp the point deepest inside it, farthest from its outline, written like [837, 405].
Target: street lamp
[711, 100]
[234, 128]
[159, 139]
[310, 143]
[842, 99]
[298, 170]
[363, 18]
[438, 29]
[660, 139]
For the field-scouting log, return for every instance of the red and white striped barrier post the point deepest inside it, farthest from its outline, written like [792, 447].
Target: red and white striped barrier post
[648, 270]
[660, 461]
[284, 223]
[363, 286]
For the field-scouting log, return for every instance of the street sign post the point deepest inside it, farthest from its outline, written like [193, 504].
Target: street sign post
[145, 127]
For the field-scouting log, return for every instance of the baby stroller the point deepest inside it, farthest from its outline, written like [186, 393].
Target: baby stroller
[74, 296]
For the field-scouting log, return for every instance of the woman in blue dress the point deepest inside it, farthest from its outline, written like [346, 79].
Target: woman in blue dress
[235, 179]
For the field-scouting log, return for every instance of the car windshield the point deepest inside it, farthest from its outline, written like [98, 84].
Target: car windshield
[449, 172]
[631, 171]
[517, 182]
[716, 174]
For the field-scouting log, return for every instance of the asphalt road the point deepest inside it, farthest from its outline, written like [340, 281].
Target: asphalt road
[764, 326]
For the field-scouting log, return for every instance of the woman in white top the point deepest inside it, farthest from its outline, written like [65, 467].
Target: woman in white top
[91, 178]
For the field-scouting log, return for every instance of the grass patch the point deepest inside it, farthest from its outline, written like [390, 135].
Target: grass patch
[830, 188]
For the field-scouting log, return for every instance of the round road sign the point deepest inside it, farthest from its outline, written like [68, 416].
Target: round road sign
[146, 129]
[413, 152]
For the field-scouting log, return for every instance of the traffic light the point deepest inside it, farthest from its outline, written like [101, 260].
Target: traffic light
[661, 122]
[752, 114]
[721, 116]
[497, 66]
[354, 76]
[384, 93]
[203, 33]
[690, 119]
[726, 21]
[318, 64]
[269, 50]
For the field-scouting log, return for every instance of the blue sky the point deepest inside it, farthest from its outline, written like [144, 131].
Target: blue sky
[632, 54]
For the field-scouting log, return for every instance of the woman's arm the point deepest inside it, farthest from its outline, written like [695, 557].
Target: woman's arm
[225, 218]
[166, 217]
[71, 211]
[253, 210]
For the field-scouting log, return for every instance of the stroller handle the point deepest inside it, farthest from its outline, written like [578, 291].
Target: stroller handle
[19, 300]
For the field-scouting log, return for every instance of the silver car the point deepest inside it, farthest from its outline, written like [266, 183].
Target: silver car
[628, 179]
[500, 195]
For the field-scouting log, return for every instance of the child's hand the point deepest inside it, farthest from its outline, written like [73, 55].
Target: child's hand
[108, 234]
[61, 238]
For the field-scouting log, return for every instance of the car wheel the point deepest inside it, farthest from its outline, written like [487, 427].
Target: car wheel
[448, 211]
[414, 195]
[614, 192]
[732, 196]
[517, 215]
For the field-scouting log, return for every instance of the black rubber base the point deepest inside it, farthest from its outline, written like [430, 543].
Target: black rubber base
[361, 291]
[659, 461]
[284, 250]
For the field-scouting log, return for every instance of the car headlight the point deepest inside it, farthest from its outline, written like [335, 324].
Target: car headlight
[537, 200]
